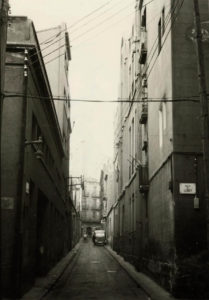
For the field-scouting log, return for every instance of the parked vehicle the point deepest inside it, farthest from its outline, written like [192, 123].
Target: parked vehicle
[85, 237]
[99, 237]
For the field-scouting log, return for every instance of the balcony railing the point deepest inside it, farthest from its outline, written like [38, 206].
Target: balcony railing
[143, 54]
[143, 179]
[144, 113]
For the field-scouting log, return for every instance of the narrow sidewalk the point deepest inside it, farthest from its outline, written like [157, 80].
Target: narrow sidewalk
[155, 291]
[44, 284]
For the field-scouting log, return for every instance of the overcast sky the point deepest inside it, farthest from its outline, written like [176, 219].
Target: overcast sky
[94, 68]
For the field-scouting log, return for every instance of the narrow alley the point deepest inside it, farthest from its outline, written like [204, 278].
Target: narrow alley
[95, 274]
[104, 141]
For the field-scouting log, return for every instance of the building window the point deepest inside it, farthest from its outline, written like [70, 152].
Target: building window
[163, 21]
[123, 219]
[164, 110]
[159, 36]
[160, 127]
[97, 203]
[36, 132]
[133, 145]
[143, 18]
[129, 158]
[130, 216]
[146, 206]
[133, 213]
[130, 81]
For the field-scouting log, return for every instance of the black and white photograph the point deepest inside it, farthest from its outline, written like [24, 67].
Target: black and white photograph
[104, 149]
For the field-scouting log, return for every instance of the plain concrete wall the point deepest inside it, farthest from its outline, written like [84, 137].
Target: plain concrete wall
[159, 86]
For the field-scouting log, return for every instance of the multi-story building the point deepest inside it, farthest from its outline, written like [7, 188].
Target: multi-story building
[161, 209]
[35, 201]
[107, 199]
[128, 150]
[103, 195]
[76, 191]
[55, 48]
[91, 206]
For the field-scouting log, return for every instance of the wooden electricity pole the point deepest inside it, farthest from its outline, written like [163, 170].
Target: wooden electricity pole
[204, 107]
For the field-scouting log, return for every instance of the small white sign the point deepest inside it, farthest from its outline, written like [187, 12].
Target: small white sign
[187, 188]
[27, 187]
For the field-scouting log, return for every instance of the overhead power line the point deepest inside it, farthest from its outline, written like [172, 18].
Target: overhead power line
[56, 57]
[89, 14]
[123, 100]
[99, 15]
[78, 21]
[126, 100]
[54, 41]
[100, 32]
[57, 35]
[99, 24]
[111, 25]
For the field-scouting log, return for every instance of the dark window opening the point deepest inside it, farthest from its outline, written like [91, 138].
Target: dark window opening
[159, 37]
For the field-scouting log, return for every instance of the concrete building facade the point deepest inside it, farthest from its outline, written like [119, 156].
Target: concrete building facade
[107, 199]
[160, 209]
[55, 48]
[35, 202]
[76, 190]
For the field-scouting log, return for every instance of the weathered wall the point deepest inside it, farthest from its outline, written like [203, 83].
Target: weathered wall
[36, 235]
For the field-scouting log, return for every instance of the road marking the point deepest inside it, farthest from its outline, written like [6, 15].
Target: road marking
[95, 262]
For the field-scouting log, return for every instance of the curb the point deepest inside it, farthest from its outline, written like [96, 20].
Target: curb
[152, 289]
[43, 285]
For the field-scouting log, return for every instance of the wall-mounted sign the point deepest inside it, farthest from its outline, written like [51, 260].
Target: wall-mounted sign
[27, 187]
[187, 188]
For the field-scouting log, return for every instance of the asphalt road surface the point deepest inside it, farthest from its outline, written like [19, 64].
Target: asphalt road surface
[95, 274]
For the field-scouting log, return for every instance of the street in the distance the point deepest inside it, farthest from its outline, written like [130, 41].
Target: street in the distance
[95, 274]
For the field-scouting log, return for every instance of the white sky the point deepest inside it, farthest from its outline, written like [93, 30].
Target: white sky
[94, 69]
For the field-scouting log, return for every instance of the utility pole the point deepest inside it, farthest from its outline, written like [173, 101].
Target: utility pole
[204, 108]
[4, 7]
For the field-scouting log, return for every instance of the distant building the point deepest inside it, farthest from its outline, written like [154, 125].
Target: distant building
[107, 198]
[91, 206]
[76, 190]
[35, 203]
